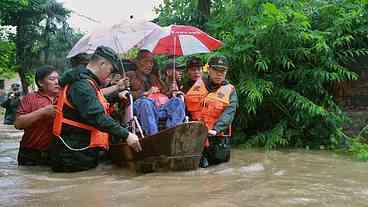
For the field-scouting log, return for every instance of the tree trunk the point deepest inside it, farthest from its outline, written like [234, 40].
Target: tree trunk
[204, 7]
[23, 79]
[21, 44]
[47, 40]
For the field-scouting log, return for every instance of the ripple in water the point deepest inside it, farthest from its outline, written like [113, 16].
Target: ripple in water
[257, 167]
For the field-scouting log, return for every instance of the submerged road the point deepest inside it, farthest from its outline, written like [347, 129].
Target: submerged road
[252, 178]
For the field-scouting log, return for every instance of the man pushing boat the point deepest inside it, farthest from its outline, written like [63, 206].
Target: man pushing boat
[82, 123]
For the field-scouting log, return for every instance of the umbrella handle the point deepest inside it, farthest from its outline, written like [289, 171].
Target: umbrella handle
[138, 126]
[117, 45]
[174, 78]
[122, 66]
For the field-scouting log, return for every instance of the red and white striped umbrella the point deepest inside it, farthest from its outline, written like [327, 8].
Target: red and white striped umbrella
[179, 40]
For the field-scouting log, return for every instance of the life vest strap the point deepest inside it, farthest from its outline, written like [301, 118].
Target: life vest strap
[78, 124]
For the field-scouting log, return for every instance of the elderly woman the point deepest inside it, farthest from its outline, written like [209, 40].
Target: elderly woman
[146, 87]
[35, 115]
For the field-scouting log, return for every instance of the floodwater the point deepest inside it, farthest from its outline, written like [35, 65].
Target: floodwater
[251, 178]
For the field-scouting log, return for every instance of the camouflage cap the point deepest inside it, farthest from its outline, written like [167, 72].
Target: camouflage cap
[218, 63]
[170, 65]
[80, 59]
[194, 62]
[110, 55]
[82, 56]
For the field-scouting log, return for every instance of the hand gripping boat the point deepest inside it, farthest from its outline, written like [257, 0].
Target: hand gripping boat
[174, 149]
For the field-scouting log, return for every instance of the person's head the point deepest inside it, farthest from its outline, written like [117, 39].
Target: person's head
[144, 61]
[169, 70]
[218, 66]
[194, 68]
[47, 80]
[104, 62]
[81, 59]
[15, 86]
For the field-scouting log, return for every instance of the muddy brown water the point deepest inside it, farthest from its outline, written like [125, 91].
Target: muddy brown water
[251, 178]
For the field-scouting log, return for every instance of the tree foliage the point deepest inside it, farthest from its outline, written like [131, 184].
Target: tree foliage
[11, 6]
[43, 35]
[190, 12]
[285, 55]
[176, 12]
[7, 46]
[7, 57]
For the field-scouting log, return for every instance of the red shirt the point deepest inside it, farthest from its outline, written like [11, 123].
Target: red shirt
[38, 135]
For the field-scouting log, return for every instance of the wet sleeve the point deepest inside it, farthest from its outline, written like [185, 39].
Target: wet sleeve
[83, 96]
[228, 115]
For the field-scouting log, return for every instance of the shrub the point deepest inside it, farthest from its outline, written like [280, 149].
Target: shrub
[285, 55]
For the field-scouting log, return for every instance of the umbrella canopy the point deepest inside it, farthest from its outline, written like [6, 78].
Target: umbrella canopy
[120, 37]
[179, 40]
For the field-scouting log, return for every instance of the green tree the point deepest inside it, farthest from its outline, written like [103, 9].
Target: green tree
[10, 6]
[7, 57]
[36, 23]
[7, 46]
[191, 12]
[56, 22]
[285, 55]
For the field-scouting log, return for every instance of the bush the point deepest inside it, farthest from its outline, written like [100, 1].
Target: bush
[285, 56]
[358, 149]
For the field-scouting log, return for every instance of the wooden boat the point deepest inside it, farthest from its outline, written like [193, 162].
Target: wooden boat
[175, 149]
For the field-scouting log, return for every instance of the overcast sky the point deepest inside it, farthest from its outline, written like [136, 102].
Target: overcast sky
[108, 11]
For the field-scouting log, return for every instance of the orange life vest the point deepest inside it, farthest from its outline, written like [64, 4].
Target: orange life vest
[98, 138]
[194, 99]
[208, 107]
[214, 105]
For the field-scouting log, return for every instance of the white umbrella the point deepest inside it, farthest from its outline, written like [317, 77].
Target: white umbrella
[120, 37]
